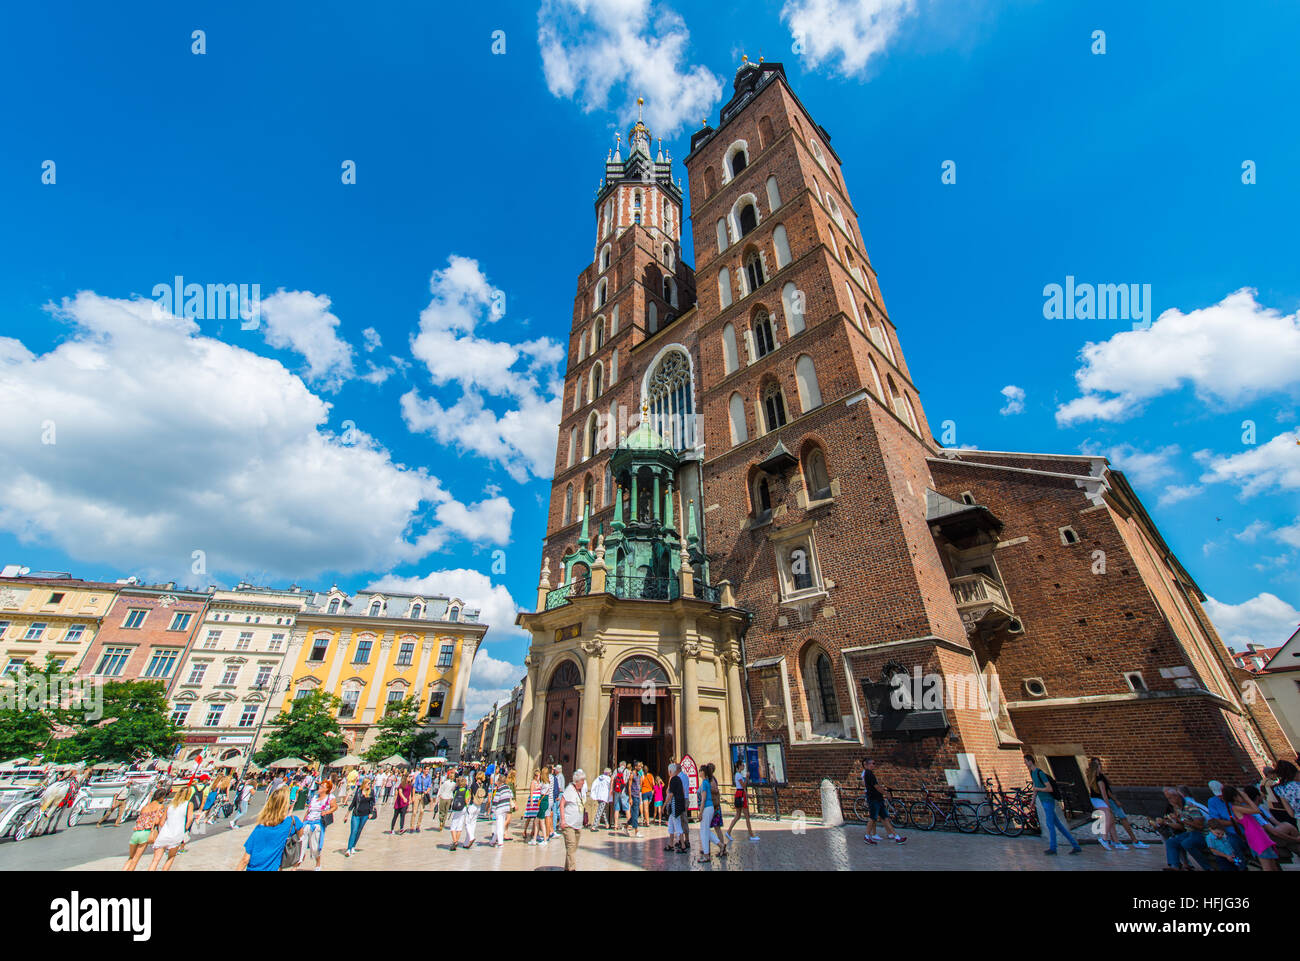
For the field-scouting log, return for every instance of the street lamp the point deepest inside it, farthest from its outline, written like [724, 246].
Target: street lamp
[270, 685]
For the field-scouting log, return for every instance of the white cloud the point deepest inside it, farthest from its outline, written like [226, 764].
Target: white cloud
[1271, 466]
[1264, 619]
[478, 701]
[1230, 353]
[595, 50]
[168, 442]
[1250, 533]
[1289, 535]
[522, 438]
[488, 670]
[372, 339]
[497, 609]
[1015, 400]
[848, 33]
[1178, 492]
[1144, 468]
[301, 321]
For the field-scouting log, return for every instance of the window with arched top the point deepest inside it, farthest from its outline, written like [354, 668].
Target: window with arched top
[592, 436]
[773, 194]
[773, 407]
[765, 134]
[817, 479]
[375, 607]
[747, 218]
[613, 321]
[730, 354]
[810, 394]
[573, 445]
[670, 398]
[818, 155]
[602, 292]
[761, 496]
[596, 386]
[764, 341]
[670, 290]
[875, 377]
[739, 161]
[613, 367]
[792, 301]
[736, 418]
[599, 333]
[333, 608]
[896, 400]
[604, 257]
[819, 685]
[651, 317]
[721, 229]
[453, 614]
[834, 208]
[588, 495]
[857, 318]
[724, 287]
[417, 610]
[568, 505]
[781, 244]
[754, 274]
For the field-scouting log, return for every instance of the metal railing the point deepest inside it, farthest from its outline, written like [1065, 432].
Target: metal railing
[634, 587]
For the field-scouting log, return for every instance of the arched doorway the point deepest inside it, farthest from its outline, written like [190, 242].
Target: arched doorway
[641, 714]
[560, 740]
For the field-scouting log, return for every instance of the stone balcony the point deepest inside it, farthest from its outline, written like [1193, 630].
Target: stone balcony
[983, 604]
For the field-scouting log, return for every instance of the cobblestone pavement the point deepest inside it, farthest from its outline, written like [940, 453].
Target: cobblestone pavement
[783, 846]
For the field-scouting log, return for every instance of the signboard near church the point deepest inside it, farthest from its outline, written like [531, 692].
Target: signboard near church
[692, 782]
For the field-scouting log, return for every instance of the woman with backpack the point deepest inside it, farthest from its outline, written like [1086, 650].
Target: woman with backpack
[269, 847]
[147, 823]
[362, 808]
[462, 812]
[174, 831]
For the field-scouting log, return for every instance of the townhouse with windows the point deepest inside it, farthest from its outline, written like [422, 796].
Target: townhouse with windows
[221, 694]
[145, 634]
[373, 648]
[49, 615]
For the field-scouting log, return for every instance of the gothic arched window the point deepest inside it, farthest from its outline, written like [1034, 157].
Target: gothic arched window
[764, 342]
[748, 219]
[668, 392]
[568, 504]
[754, 271]
[774, 406]
[588, 495]
[739, 161]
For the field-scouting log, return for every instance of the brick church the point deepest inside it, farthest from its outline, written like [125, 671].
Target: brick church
[754, 537]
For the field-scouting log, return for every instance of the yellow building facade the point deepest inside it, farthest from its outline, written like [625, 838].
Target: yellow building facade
[56, 616]
[372, 649]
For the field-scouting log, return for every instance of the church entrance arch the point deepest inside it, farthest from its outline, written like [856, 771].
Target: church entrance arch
[560, 739]
[641, 715]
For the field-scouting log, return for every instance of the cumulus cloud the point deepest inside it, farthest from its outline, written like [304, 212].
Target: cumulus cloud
[1274, 466]
[1264, 619]
[453, 349]
[161, 442]
[1289, 535]
[1230, 353]
[598, 51]
[301, 321]
[372, 340]
[1250, 533]
[844, 34]
[1178, 492]
[1015, 400]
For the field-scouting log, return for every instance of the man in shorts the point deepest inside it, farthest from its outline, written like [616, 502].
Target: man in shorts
[876, 810]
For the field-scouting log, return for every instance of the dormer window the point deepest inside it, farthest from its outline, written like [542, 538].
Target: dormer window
[375, 607]
[333, 608]
[417, 610]
[453, 613]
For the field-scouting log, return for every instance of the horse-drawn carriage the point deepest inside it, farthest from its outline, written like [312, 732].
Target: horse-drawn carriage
[98, 794]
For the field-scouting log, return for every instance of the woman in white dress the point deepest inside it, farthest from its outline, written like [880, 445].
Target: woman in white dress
[175, 830]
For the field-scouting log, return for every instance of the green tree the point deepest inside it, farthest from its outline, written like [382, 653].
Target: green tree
[308, 729]
[34, 707]
[400, 733]
[136, 720]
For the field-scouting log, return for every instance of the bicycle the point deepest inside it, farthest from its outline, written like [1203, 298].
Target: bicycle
[1007, 813]
[926, 812]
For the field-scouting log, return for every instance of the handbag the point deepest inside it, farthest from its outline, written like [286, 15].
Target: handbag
[292, 847]
[717, 819]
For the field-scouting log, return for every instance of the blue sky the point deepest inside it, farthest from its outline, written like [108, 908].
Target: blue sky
[385, 422]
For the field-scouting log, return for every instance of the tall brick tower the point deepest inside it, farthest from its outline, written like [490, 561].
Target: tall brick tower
[815, 470]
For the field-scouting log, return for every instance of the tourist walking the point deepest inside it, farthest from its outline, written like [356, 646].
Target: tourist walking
[362, 808]
[147, 823]
[657, 796]
[422, 785]
[1100, 790]
[570, 818]
[710, 816]
[242, 798]
[462, 813]
[174, 831]
[600, 792]
[265, 848]
[320, 815]
[1048, 794]
[740, 799]
[876, 810]
[503, 802]
[676, 812]
[401, 802]
[557, 790]
[532, 806]
[446, 787]
[633, 788]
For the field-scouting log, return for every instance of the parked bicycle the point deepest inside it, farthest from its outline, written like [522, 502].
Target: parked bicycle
[1009, 813]
[928, 812]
